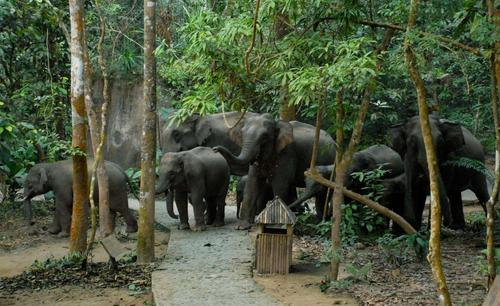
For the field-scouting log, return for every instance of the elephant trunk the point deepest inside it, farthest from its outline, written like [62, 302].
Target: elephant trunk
[445, 204]
[249, 151]
[170, 204]
[161, 187]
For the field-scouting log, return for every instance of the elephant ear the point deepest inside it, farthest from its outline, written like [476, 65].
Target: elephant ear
[285, 135]
[398, 138]
[176, 135]
[453, 135]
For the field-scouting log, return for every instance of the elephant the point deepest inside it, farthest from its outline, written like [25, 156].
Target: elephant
[201, 174]
[207, 131]
[365, 160]
[451, 141]
[58, 177]
[265, 196]
[278, 153]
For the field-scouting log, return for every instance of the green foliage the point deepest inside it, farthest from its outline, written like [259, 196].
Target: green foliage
[397, 250]
[134, 177]
[18, 147]
[469, 163]
[496, 254]
[359, 219]
[73, 260]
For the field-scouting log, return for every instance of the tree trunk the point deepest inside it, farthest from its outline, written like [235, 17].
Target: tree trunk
[434, 256]
[79, 220]
[145, 239]
[343, 159]
[105, 219]
[338, 196]
[494, 17]
[281, 28]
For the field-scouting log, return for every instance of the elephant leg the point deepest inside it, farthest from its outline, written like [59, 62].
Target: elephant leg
[319, 203]
[480, 189]
[65, 219]
[112, 215]
[220, 201]
[199, 211]
[248, 205]
[211, 210]
[55, 227]
[129, 220]
[181, 201]
[281, 188]
[457, 210]
[419, 208]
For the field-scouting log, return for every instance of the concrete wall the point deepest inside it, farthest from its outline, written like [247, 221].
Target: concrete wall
[123, 144]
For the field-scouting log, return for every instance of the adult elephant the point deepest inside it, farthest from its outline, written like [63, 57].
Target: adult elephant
[451, 141]
[207, 131]
[278, 153]
[365, 160]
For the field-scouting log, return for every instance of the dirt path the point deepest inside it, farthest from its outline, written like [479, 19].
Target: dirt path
[206, 268]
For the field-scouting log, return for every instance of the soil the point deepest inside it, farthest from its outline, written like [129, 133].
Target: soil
[374, 274]
[32, 272]
[391, 275]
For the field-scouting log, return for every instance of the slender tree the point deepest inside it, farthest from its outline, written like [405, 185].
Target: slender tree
[282, 28]
[79, 220]
[343, 158]
[145, 242]
[434, 256]
[494, 17]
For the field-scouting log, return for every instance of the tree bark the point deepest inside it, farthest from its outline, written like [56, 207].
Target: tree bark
[434, 256]
[145, 241]
[494, 17]
[338, 196]
[79, 222]
[254, 34]
[365, 201]
[287, 111]
[105, 219]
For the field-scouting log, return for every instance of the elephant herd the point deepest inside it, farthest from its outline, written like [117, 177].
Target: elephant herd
[201, 153]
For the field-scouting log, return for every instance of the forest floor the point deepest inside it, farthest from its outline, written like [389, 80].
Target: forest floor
[35, 269]
[373, 273]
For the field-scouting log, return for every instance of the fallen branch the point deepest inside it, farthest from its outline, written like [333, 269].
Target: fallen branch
[364, 200]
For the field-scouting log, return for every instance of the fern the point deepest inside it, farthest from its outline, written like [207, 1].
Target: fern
[469, 163]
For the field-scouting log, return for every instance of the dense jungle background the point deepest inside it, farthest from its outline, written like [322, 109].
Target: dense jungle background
[216, 56]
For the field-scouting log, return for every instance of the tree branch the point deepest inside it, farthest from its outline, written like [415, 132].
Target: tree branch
[365, 201]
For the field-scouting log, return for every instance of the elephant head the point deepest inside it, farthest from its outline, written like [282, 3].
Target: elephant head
[171, 174]
[177, 137]
[261, 139]
[407, 140]
[36, 183]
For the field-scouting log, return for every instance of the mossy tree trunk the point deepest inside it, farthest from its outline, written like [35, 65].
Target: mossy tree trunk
[281, 29]
[145, 241]
[494, 17]
[79, 222]
[434, 256]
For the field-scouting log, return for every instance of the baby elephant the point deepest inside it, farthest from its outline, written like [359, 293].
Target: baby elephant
[201, 174]
[58, 177]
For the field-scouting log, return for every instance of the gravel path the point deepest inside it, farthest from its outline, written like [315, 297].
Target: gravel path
[206, 268]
